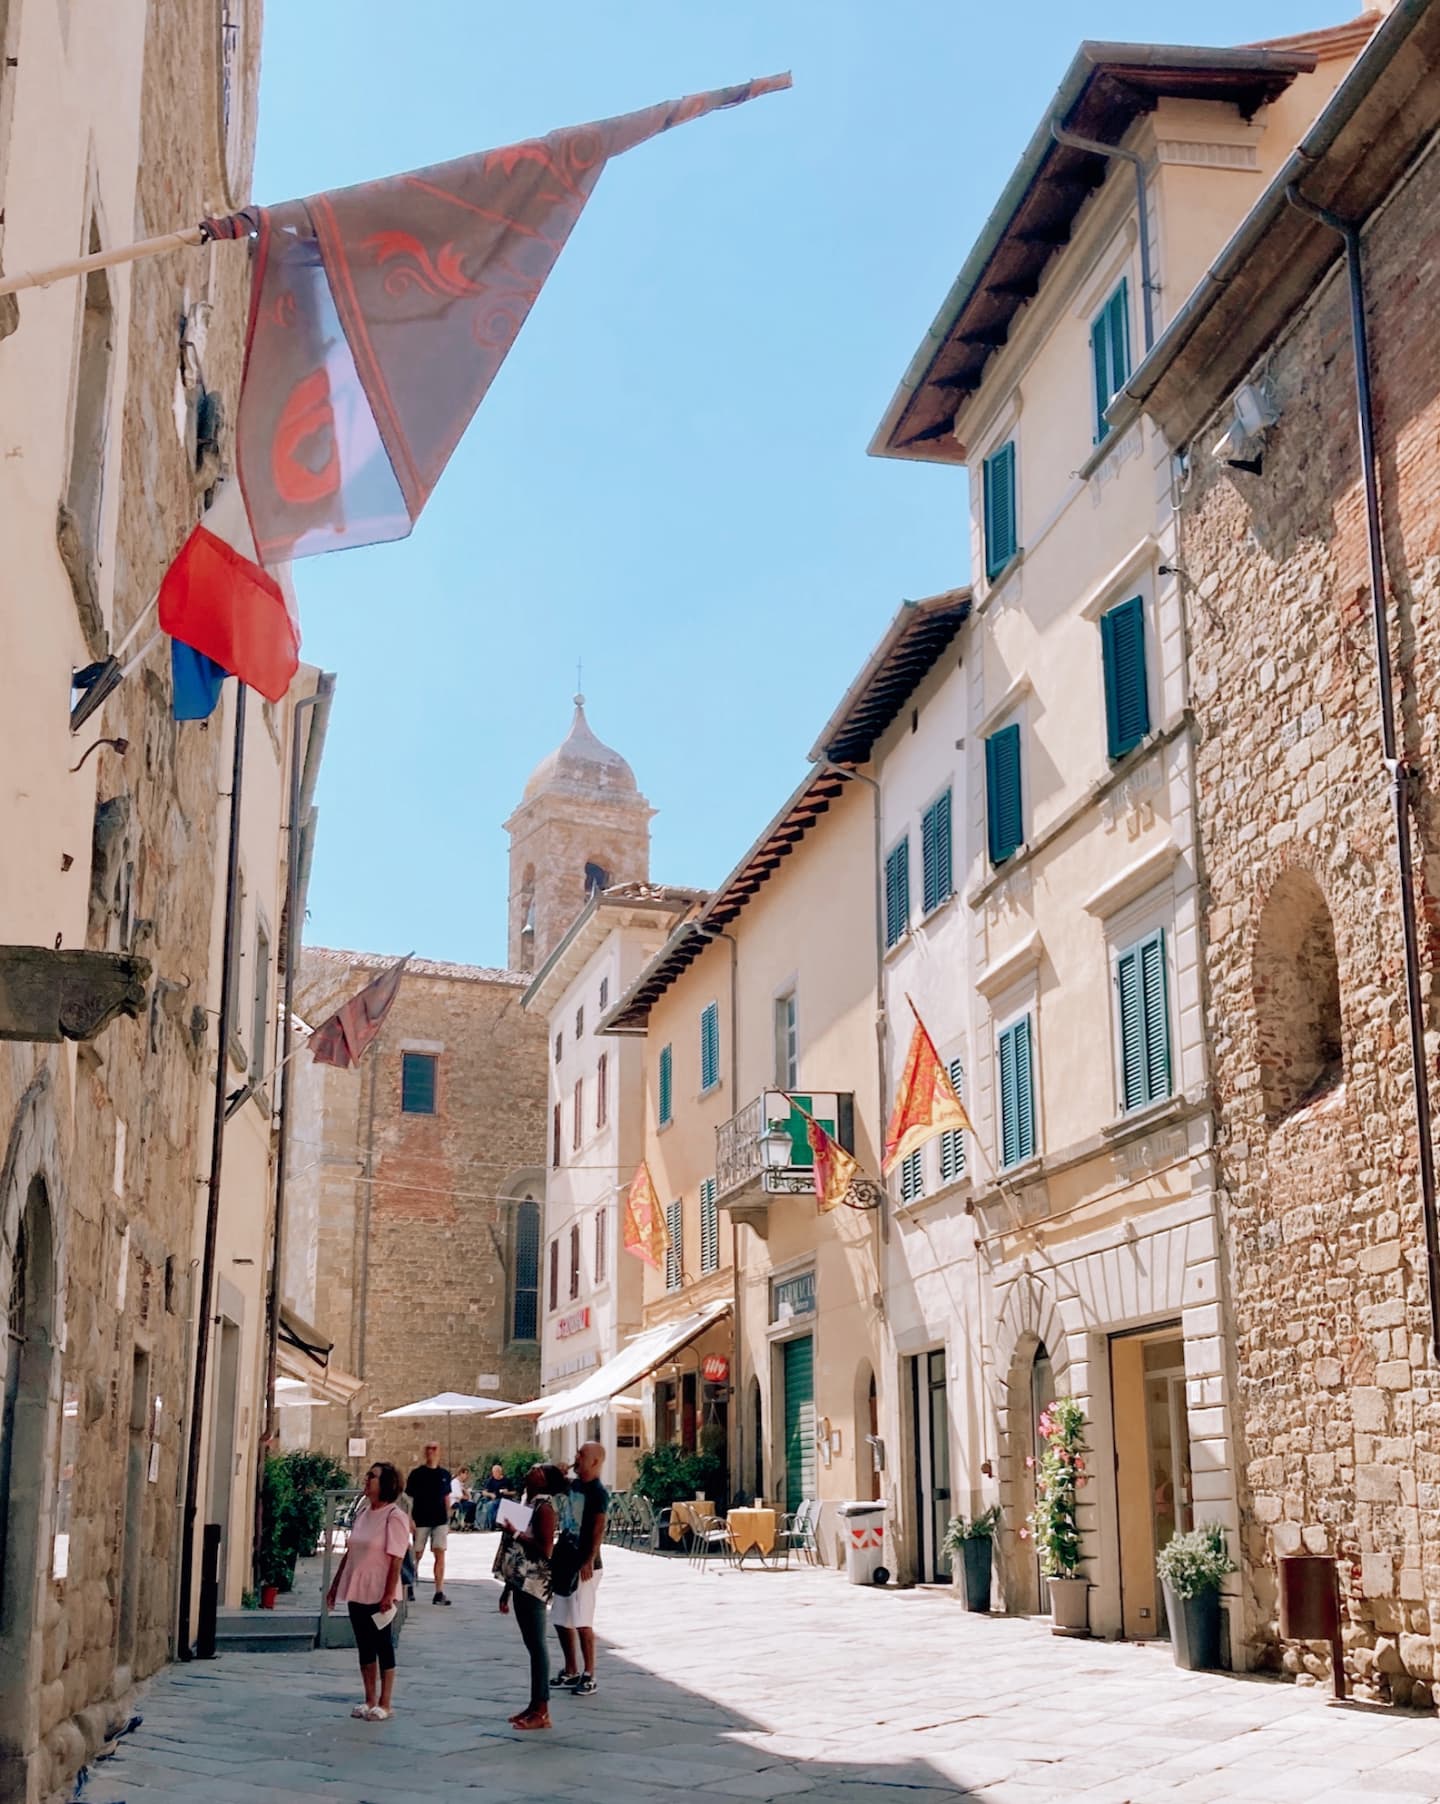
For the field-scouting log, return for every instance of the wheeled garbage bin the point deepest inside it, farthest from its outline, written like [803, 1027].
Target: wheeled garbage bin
[865, 1542]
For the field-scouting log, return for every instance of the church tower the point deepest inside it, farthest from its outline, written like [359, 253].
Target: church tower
[582, 825]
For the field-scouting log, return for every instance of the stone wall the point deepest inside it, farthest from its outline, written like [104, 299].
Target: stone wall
[1325, 1244]
[413, 1271]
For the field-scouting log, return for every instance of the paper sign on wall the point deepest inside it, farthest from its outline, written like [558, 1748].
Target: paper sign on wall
[154, 1471]
[355, 1447]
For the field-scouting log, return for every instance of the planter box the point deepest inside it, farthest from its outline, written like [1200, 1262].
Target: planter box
[1194, 1629]
[977, 1559]
[1069, 1606]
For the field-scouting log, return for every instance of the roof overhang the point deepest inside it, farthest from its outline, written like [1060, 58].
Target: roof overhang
[918, 635]
[623, 905]
[1352, 156]
[1105, 90]
[593, 1395]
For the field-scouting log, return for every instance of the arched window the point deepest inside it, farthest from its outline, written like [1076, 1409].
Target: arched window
[596, 878]
[1296, 981]
[525, 1314]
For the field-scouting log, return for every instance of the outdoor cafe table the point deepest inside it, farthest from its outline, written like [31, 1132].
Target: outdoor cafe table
[752, 1531]
[689, 1517]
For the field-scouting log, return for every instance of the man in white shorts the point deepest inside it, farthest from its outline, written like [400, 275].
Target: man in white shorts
[428, 1488]
[574, 1616]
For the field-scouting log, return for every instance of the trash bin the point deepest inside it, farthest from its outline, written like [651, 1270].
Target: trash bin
[865, 1542]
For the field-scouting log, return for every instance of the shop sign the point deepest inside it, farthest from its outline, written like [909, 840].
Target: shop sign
[715, 1368]
[790, 1297]
[576, 1322]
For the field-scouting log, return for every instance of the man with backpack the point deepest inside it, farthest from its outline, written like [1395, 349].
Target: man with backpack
[574, 1613]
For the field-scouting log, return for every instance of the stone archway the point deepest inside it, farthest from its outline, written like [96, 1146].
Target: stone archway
[1029, 1329]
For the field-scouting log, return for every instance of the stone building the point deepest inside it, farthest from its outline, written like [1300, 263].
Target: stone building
[1330, 1289]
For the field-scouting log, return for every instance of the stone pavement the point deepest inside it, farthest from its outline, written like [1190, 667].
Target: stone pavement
[758, 1685]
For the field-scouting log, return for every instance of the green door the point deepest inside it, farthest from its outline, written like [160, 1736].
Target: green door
[799, 1421]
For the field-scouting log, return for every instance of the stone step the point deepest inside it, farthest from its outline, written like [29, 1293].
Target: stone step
[264, 1631]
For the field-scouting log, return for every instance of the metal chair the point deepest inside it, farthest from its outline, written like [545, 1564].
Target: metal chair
[797, 1532]
[710, 1536]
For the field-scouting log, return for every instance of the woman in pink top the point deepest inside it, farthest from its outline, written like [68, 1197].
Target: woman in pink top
[368, 1580]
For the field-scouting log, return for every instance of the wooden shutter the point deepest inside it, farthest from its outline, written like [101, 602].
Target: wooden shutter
[1100, 370]
[667, 1065]
[1004, 825]
[675, 1252]
[554, 1274]
[602, 1089]
[1118, 309]
[577, 1128]
[417, 1083]
[710, 1046]
[709, 1227]
[952, 1145]
[1144, 1023]
[1127, 699]
[602, 1243]
[912, 1177]
[897, 891]
[574, 1260]
[935, 857]
[1017, 1094]
[1000, 535]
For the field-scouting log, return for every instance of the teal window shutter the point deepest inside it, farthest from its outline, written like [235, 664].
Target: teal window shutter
[952, 1145]
[675, 1252]
[1017, 1094]
[1110, 353]
[912, 1178]
[709, 1227]
[710, 1046]
[667, 1084]
[1144, 1023]
[1000, 534]
[417, 1083]
[935, 852]
[1127, 699]
[897, 891]
[1004, 825]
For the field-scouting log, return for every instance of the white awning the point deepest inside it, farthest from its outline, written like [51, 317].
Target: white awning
[596, 1393]
[303, 1353]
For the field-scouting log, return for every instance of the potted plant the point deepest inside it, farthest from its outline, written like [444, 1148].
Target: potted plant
[1053, 1520]
[1192, 1568]
[974, 1540]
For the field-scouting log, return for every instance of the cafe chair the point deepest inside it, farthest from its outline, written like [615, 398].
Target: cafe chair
[797, 1533]
[710, 1536]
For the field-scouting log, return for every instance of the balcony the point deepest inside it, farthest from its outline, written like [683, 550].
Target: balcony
[745, 1181]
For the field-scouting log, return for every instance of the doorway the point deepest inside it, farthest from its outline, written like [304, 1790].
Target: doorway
[799, 1378]
[222, 1452]
[932, 1467]
[757, 1441]
[1152, 1466]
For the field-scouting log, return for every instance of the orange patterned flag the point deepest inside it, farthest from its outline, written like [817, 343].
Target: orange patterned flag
[645, 1232]
[926, 1104]
[834, 1168]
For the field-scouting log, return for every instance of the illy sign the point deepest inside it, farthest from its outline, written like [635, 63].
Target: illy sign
[574, 1323]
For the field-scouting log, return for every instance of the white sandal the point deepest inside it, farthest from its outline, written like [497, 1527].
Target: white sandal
[362, 1710]
[377, 1713]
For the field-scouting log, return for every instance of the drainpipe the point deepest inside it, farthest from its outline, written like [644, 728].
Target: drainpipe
[1096, 149]
[1403, 777]
[737, 1339]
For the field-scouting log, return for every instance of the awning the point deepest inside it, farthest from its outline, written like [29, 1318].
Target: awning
[302, 1352]
[595, 1394]
[557, 1401]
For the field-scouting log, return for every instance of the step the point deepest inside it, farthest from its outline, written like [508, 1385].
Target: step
[264, 1631]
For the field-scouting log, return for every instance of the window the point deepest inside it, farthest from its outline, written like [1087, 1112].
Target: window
[999, 479]
[675, 1252]
[1127, 701]
[952, 1145]
[417, 1083]
[912, 1177]
[574, 1260]
[596, 878]
[1017, 1094]
[1110, 354]
[1144, 1023]
[524, 1322]
[261, 1015]
[604, 994]
[602, 1090]
[602, 1245]
[559, 1046]
[1004, 823]
[935, 859]
[667, 1085]
[897, 892]
[554, 1274]
[555, 1137]
[787, 1046]
[577, 1126]
[709, 1228]
[579, 1024]
[709, 1046]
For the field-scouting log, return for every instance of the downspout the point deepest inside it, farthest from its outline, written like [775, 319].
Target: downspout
[737, 1339]
[1403, 777]
[1096, 149]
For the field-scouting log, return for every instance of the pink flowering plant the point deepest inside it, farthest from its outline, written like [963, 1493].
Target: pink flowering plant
[1061, 1473]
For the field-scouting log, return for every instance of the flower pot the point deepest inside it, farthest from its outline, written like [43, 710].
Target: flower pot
[1069, 1606]
[977, 1556]
[268, 1594]
[1194, 1629]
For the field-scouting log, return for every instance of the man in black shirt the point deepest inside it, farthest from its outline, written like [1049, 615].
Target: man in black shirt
[428, 1488]
[574, 1616]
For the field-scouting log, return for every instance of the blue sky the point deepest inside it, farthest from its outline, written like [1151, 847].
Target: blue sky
[668, 479]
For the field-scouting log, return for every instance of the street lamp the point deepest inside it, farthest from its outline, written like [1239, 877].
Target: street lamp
[775, 1146]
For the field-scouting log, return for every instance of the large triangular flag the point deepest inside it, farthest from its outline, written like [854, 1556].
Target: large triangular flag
[347, 1035]
[644, 1232]
[834, 1169]
[926, 1103]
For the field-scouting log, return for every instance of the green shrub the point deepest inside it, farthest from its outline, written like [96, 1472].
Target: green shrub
[517, 1461]
[1195, 1563]
[671, 1475]
[1053, 1521]
[293, 1511]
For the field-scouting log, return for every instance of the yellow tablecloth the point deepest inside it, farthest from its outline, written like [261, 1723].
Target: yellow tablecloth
[689, 1516]
[753, 1531]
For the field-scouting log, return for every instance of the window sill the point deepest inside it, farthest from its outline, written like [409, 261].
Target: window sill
[711, 1089]
[938, 909]
[1154, 1114]
[1098, 454]
[903, 941]
[994, 584]
[664, 1127]
[961, 1190]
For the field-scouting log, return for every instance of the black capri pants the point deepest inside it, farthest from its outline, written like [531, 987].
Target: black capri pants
[374, 1645]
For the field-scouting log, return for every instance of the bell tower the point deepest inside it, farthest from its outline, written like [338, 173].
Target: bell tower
[582, 824]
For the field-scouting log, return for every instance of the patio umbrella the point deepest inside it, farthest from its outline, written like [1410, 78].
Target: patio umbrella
[449, 1404]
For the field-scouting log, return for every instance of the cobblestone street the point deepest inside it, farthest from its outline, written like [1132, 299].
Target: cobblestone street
[757, 1685]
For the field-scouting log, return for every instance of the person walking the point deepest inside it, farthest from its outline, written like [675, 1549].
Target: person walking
[428, 1487]
[367, 1580]
[525, 1571]
[574, 1616]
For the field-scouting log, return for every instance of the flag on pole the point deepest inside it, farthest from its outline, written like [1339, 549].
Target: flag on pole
[347, 1035]
[644, 1231]
[926, 1103]
[834, 1169]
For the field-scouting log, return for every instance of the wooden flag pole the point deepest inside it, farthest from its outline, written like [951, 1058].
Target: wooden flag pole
[191, 237]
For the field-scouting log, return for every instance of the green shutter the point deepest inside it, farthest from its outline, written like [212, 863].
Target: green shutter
[710, 1046]
[1110, 353]
[1100, 371]
[675, 1252]
[1004, 824]
[952, 1145]
[1144, 1023]
[1017, 1094]
[935, 853]
[897, 891]
[1000, 535]
[800, 1475]
[417, 1083]
[667, 1067]
[912, 1177]
[709, 1227]
[1127, 699]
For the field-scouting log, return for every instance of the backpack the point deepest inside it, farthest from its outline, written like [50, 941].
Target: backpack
[565, 1559]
